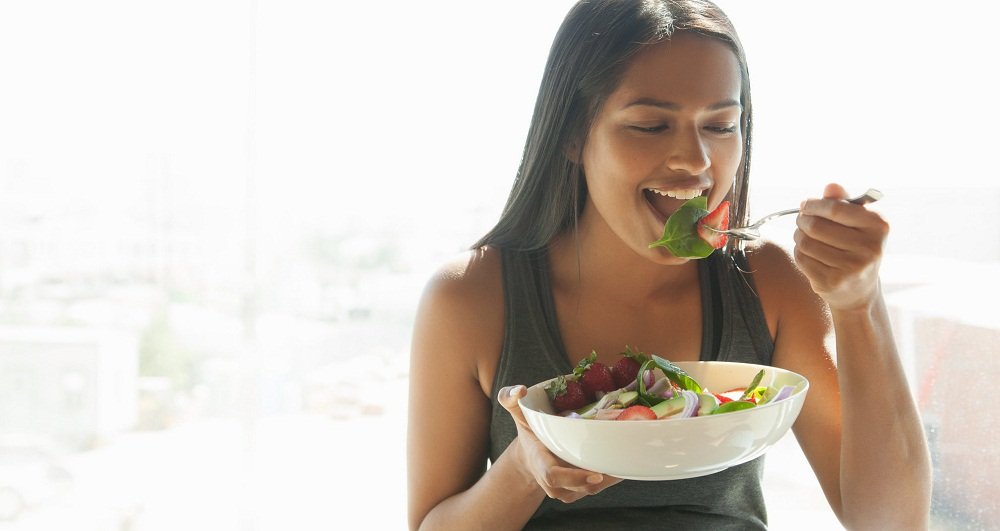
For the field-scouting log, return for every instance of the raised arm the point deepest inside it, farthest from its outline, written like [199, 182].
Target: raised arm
[859, 429]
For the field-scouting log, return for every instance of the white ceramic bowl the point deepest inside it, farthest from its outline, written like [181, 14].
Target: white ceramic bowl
[672, 448]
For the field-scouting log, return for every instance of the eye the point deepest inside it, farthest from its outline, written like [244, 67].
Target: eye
[649, 129]
[722, 129]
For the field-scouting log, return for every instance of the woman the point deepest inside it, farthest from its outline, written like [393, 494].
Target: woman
[642, 105]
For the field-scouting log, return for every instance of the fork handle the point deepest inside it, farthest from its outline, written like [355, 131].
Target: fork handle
[778, 214]
[870, 196]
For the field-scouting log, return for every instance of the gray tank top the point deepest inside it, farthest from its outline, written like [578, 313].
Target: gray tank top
[733, 329]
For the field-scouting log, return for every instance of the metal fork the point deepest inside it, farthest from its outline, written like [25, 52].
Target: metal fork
[751, 232]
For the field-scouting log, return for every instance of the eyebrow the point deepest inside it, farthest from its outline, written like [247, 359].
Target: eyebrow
[653, 102]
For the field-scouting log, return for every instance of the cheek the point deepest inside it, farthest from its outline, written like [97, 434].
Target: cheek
[727, 160]
[607, 162]
[628, 159]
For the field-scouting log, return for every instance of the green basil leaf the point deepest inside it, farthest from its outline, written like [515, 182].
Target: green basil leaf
[735, 405]
[676, 374]
[680, 236]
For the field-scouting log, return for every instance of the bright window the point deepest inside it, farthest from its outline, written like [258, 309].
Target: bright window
[216, 218]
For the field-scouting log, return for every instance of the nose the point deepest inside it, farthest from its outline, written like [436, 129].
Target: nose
[687, 153]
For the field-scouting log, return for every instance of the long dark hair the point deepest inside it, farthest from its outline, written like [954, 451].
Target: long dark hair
[590, 53]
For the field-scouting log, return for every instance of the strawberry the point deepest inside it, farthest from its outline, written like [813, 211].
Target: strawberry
[722, 398]
[626, 369]
[566, 394]
[718, 219]
[597, 378]
[637, 413]
[594, 376]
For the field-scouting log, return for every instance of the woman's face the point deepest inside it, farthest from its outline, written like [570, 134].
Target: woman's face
[670, 131]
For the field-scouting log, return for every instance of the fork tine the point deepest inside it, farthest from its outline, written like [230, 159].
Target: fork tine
[740, 235]
[735, 233]
[750, 233]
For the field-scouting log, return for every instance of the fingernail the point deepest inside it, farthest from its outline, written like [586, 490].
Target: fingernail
[594, 479]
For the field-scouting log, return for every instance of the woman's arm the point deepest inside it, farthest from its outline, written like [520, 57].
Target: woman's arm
[859, 429]
[456, 344]
[449, 415]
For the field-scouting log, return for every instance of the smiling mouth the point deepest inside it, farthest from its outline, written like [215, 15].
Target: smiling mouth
[685, 194]
[665, 202]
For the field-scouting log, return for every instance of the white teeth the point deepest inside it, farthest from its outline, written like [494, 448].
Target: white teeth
[677, 194]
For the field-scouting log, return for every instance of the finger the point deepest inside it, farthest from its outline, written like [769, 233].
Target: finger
[862, 245]
[848, 214]
[834, 191]
[508, 397]
[850, 239]
[818, 273]
[834, 206]
[570, 496]
[576, 480]
[825, 254]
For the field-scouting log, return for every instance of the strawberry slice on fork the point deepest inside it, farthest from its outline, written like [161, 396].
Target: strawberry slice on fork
[717, 219]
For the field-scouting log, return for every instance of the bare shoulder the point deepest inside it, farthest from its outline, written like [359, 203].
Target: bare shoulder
[771, 262]
[470, 282]
[472, 266]
[460, 317]
[785, 293]
[778, 278]
[798, 318]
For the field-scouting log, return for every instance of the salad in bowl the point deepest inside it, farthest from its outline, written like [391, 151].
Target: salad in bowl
[648, 418]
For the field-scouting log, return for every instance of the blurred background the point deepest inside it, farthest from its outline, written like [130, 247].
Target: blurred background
[217, 216]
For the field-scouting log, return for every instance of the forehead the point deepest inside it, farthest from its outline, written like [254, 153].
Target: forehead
[689, 69]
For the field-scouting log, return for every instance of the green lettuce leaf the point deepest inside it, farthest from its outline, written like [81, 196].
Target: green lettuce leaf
[679, 234]
[675, 373]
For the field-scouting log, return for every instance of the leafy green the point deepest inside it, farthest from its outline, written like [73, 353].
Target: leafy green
[679, 234]
[676, 374]
[735, 405]
[752, 388]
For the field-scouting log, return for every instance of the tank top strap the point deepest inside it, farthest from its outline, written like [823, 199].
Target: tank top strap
[531, 327]
[742, 334]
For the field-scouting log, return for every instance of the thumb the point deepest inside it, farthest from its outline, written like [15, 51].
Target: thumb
[508, 397]
[834, 191]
